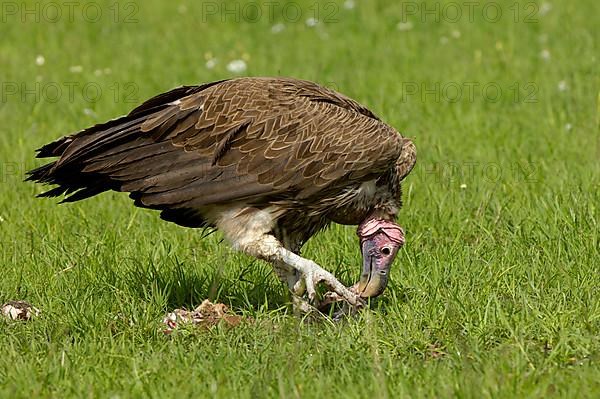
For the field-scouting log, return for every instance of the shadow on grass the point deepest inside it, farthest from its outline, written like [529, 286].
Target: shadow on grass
[248, 287]
[180, 285]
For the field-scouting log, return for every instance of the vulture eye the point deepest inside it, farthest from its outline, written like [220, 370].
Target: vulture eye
[386, 251]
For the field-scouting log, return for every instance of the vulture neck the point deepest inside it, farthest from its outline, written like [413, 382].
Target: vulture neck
[378, 214]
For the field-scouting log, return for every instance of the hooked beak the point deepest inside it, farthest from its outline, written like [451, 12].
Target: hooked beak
[379, 249]
[377, 262]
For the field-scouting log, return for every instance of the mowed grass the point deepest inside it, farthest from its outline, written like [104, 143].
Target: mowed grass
[494, 295]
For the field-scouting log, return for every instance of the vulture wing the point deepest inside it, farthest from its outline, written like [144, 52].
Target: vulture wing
[250, 140]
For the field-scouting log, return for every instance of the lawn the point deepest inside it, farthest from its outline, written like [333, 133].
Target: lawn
[495, 294]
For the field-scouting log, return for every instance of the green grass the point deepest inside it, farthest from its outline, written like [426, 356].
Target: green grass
[495, 294]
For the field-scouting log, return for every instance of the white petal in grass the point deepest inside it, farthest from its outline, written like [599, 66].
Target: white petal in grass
[323, 34]
[277, 28]
[2, 219]
[237, 66]
[455, 34]
[545, 54]
[545, 8]
[40, 60]
[463, 186]
[349, 4]
[404, 26]
[568, 127]
[312, 22]
[211, 63]
[89, 112]
[562, 85]
[75, 69]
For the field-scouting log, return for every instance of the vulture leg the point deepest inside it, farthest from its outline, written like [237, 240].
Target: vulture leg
[307, 273]
[286, 274]
[248, 229]
[290, 276]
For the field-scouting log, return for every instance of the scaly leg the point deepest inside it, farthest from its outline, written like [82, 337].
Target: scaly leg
[290, 276]
[307, 274]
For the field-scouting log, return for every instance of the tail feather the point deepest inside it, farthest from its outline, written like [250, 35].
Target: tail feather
[122, 155]
[72, 151]
[41, 174]
[68, 171]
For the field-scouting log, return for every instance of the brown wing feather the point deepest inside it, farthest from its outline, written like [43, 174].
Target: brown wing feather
[248, 139]
[312, 142]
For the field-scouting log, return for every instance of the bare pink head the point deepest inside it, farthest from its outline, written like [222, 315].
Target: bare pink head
[380, 241]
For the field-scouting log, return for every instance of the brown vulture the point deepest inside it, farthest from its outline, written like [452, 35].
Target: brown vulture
[267, 161]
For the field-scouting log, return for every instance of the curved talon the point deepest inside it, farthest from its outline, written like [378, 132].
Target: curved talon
[300, 287]
[301, 306]
[341, 290]
[310, 279]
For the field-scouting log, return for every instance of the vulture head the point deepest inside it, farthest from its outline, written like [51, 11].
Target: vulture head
[380, 240]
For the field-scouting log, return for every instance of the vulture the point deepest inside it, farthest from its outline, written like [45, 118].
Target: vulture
[269, 162]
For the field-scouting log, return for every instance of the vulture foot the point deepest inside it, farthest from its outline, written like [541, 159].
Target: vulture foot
[322, 309]
[302, 275]
[312, 275]
[297, 286]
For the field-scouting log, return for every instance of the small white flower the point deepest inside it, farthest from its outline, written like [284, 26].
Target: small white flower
[237, 66]
[40, 60]
[89, 112]
[312, 22]
[463, 186]
[76, 69]
[545, 54]
[404, 26]
[545, 8]
[562, 85]
[277, 28]
[2, 219]
[443, 40]
[568, 127]
[211, 63]
[349, 4]
[455, 34]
